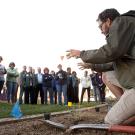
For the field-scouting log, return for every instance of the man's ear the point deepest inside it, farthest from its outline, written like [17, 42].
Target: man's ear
[109, 21]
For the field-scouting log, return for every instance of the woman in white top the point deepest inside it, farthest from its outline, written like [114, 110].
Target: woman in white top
[86, 85]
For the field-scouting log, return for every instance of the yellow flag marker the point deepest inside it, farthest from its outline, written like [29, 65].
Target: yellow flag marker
[69, 104]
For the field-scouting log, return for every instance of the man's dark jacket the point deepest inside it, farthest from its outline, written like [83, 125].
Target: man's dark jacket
[120, 49]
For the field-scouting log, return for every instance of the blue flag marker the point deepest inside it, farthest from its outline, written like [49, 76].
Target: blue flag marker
[16, 111]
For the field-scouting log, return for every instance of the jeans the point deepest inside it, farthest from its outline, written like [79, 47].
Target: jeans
[11, 89]
[60, 89]
[96, 93]
[50, 90]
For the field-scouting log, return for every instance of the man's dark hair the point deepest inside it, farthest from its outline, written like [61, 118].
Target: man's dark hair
[108, 13]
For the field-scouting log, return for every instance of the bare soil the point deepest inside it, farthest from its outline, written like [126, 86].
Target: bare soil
[37, 127]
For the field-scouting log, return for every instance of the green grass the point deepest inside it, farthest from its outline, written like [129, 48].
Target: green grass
[5, 108]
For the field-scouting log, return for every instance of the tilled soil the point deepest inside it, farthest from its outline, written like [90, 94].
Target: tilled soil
[37, 127]
[80, 117]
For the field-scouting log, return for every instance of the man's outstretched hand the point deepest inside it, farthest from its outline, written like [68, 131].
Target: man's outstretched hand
[73, 53]
[83, 66]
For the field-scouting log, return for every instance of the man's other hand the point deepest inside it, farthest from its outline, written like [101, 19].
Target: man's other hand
[83, 66]
[73, 53]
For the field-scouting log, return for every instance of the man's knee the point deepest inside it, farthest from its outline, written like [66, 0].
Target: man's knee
[111, 120]
[106, 120]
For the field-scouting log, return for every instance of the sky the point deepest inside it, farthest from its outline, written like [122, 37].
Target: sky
[37, 32]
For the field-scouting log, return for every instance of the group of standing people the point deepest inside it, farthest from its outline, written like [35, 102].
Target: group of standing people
[60, 86]
[94, 80]
[11, 80]
[67, 84]
[98, 86]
